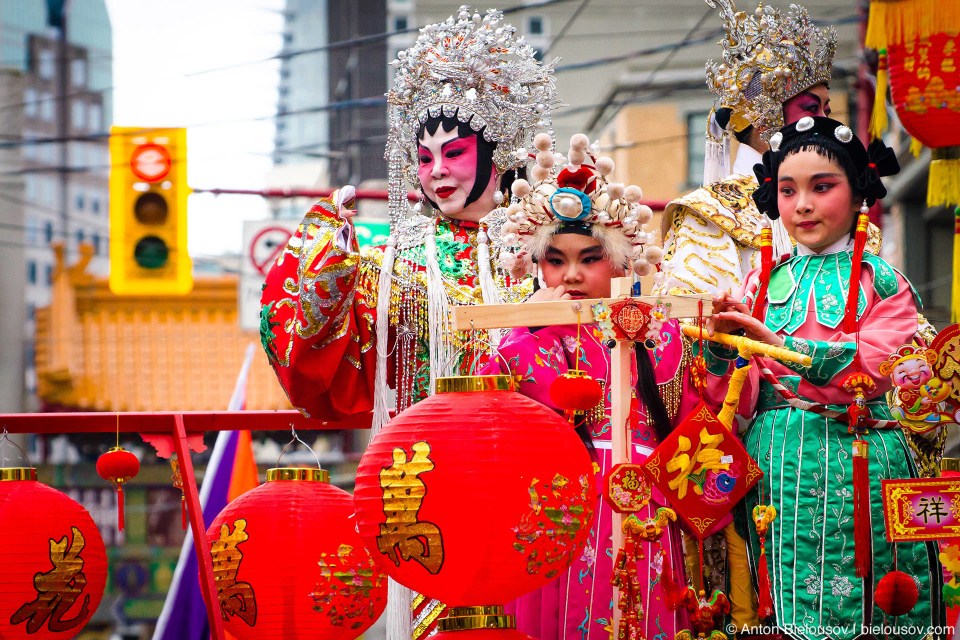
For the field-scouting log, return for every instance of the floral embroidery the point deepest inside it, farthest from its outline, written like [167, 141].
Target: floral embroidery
[813, 584]
[840, 586]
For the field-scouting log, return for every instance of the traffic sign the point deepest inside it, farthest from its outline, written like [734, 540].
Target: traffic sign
[263, 241]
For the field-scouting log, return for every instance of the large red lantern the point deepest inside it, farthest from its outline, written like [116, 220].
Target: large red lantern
[289, 564]
[53, 565]
[476, 495]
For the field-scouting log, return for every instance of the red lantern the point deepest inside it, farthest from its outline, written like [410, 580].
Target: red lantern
[476, 495]
[53, 565]
[289, 563]
[117, 466]
[576, 391]
[896, 593]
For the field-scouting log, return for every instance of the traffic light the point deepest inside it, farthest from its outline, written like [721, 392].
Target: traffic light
[148, 212]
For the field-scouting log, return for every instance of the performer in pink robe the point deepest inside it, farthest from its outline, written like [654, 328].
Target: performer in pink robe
[577, 251]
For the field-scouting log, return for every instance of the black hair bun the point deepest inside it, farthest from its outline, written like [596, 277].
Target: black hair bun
[766, 194]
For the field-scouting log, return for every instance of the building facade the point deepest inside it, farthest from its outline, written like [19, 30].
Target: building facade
[324, 128]
[66, 112]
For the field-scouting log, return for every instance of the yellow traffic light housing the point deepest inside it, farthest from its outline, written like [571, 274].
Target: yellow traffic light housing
[148, 212]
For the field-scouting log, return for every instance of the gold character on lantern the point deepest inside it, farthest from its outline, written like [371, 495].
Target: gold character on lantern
[707, 455]
[57, 589]
[236, 598]
[402, 535]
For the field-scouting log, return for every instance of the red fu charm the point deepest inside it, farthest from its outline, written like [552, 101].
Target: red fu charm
[630, 319]
[117, 466]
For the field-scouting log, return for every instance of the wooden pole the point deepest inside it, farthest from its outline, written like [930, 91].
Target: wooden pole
[208, 585]
[619, 425]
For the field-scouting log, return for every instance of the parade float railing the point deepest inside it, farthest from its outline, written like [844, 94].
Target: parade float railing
[176, 429]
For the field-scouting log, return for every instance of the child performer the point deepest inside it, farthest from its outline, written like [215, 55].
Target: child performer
[824, 562]
[580, 230]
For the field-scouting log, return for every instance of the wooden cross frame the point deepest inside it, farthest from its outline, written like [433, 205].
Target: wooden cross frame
[567, 312]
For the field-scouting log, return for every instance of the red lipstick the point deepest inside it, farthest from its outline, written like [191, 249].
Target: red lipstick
[445, 192]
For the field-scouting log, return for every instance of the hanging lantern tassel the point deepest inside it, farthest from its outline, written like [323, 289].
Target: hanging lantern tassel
[117, 466]
[178, 484]
[943, 187]
[763, 517]
[766, 266]
[878, 119]
[908, 20]
[862, 556]
[955, 297]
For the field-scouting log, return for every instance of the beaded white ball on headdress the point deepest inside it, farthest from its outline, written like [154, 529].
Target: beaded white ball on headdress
[580, 193]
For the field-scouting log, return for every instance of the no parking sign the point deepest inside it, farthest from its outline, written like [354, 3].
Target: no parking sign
[263, 241]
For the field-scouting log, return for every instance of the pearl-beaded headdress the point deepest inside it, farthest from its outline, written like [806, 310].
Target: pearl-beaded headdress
[574, 190]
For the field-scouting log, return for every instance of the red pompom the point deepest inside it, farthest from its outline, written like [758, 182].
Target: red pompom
[896, 593]
[576, 391]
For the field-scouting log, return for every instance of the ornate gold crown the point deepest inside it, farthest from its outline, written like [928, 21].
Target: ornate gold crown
[474, 68]
[767, 59]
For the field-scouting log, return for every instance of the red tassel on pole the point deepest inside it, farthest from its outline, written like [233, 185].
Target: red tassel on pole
[860, 241]
[669, 583]
[120, 507]
[862, 530]
[183, 511]
[763, 517]
[766, 266]
[764, 588]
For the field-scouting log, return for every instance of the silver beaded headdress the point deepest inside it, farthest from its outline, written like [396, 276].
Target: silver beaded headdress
[768, 58]
[474, 68]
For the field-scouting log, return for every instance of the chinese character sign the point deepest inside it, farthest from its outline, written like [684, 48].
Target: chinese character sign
[922, 509]
[703, 470]
[402, 535]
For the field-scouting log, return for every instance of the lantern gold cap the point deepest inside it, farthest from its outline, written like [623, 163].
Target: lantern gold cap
[949, 464]
[18, 473]
[469, 618]
[452, 384]
[297, 474]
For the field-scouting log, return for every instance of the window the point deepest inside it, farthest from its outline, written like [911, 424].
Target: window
[31, 272]
[30, 102]
[78, 199]
[95, 204]
[46, 106]
[48, 232]
[95, 239]
[33, 232]
[47, 59]
[78, 114]
[81, 236]
[49, 273]
[31, 311]
[78, 73]
[696, 124]
[30, 150]
[400, 23]
[94, 117]
[77, 155]
[535, 26]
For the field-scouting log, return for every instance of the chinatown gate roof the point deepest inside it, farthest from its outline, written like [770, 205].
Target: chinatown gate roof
[96, 351]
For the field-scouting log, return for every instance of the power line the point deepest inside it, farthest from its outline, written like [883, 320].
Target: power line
[566, 27]
[352, 42]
